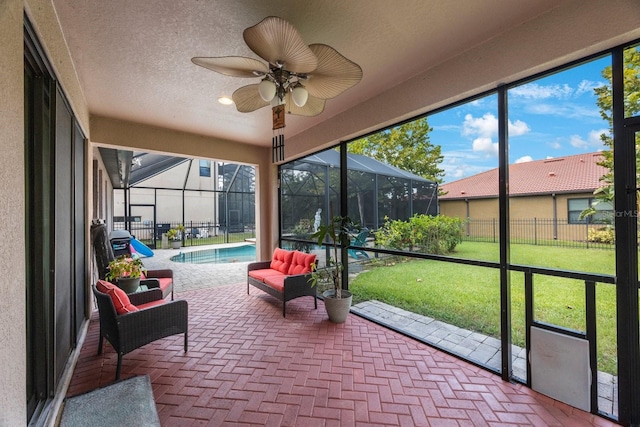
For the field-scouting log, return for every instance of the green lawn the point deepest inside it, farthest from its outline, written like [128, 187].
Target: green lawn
[469, 296]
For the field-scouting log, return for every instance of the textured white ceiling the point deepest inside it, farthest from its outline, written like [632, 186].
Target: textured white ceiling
[133, 57]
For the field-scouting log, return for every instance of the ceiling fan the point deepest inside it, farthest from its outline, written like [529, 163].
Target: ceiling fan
[297, 78]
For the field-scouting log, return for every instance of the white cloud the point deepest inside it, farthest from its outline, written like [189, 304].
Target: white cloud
[555, 145]
[587, 86]
[592, 142]
[524, 159]
[554, 91]
[577, 142]
[447, 128]
[485, 129]
[594, 136]
[485, 126]
[536, 91]
[518, 128]
[453, 169]
[485, 146]
[461, 163]
[566, 110]
[541, 108]
[456, 173]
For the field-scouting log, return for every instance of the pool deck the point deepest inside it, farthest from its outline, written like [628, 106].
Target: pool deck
[189, 277]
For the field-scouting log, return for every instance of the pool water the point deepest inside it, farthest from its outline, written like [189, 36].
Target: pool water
[243, 253]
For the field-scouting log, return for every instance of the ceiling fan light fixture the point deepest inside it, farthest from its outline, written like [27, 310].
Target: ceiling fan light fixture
[290, 62]
[225, 100]
[277, 101]
[267, 90]
[299, 94]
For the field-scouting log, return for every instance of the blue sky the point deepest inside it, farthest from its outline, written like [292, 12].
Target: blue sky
[551, 117]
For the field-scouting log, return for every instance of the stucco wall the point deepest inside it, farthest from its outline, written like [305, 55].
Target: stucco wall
[532, 217]
[12, 214]
[531, 207]
[455, 208]
[43, 17]
[474, 208]
[198, 206]
[12, 209]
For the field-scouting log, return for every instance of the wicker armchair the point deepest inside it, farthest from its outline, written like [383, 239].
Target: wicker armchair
[129, 331]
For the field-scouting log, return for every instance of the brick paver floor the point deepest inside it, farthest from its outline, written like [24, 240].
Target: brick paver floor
[247, 365]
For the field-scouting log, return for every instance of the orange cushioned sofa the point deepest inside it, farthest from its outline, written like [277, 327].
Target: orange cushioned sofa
[286, 276]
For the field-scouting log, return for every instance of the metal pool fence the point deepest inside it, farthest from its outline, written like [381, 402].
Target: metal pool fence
[540, 231]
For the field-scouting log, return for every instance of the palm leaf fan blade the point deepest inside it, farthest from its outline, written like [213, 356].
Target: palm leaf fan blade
[234, 66]
[313, 107]
[334, 74]
[277, 41]
[247, 99]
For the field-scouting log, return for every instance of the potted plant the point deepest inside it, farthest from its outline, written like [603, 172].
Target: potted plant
[175, 236]
[337, 301]
[126, 271]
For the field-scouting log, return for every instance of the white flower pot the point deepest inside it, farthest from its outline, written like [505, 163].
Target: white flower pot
[337, 308]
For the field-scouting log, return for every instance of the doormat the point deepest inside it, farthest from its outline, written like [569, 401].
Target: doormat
[125, 403]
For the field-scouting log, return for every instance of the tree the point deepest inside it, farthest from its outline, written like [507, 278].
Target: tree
[605, 193]
[406, 147]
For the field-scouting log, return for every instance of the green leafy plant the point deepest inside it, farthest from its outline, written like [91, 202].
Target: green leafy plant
[602, 235]
[422, 233]
[337, 231]
[124, 266]
[301, 231]
[175, 233]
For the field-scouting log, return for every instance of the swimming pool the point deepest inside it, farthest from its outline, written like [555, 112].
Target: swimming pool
[243, 253]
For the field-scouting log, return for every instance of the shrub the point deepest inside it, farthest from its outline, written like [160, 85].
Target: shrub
[422, 233]
[602, 235]
[301, 231]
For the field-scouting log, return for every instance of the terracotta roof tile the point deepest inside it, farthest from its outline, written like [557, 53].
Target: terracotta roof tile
[569, 174]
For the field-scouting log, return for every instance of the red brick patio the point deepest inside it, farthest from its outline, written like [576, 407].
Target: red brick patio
[247, 365]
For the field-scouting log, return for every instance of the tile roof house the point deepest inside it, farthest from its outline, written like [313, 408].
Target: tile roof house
[546, 198]
[579, 173]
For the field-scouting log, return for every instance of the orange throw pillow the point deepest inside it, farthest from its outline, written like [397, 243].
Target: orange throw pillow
[281, 260]
[119, 297]
[301, 263]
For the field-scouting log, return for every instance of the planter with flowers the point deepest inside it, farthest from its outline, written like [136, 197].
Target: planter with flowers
[126, 272]
[175, 236]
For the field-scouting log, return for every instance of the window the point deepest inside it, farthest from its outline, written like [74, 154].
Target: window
[603, 215]
[205, 168]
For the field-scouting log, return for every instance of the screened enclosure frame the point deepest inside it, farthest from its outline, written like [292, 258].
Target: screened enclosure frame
[368, 180]
[626, 246]
[233, 207]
